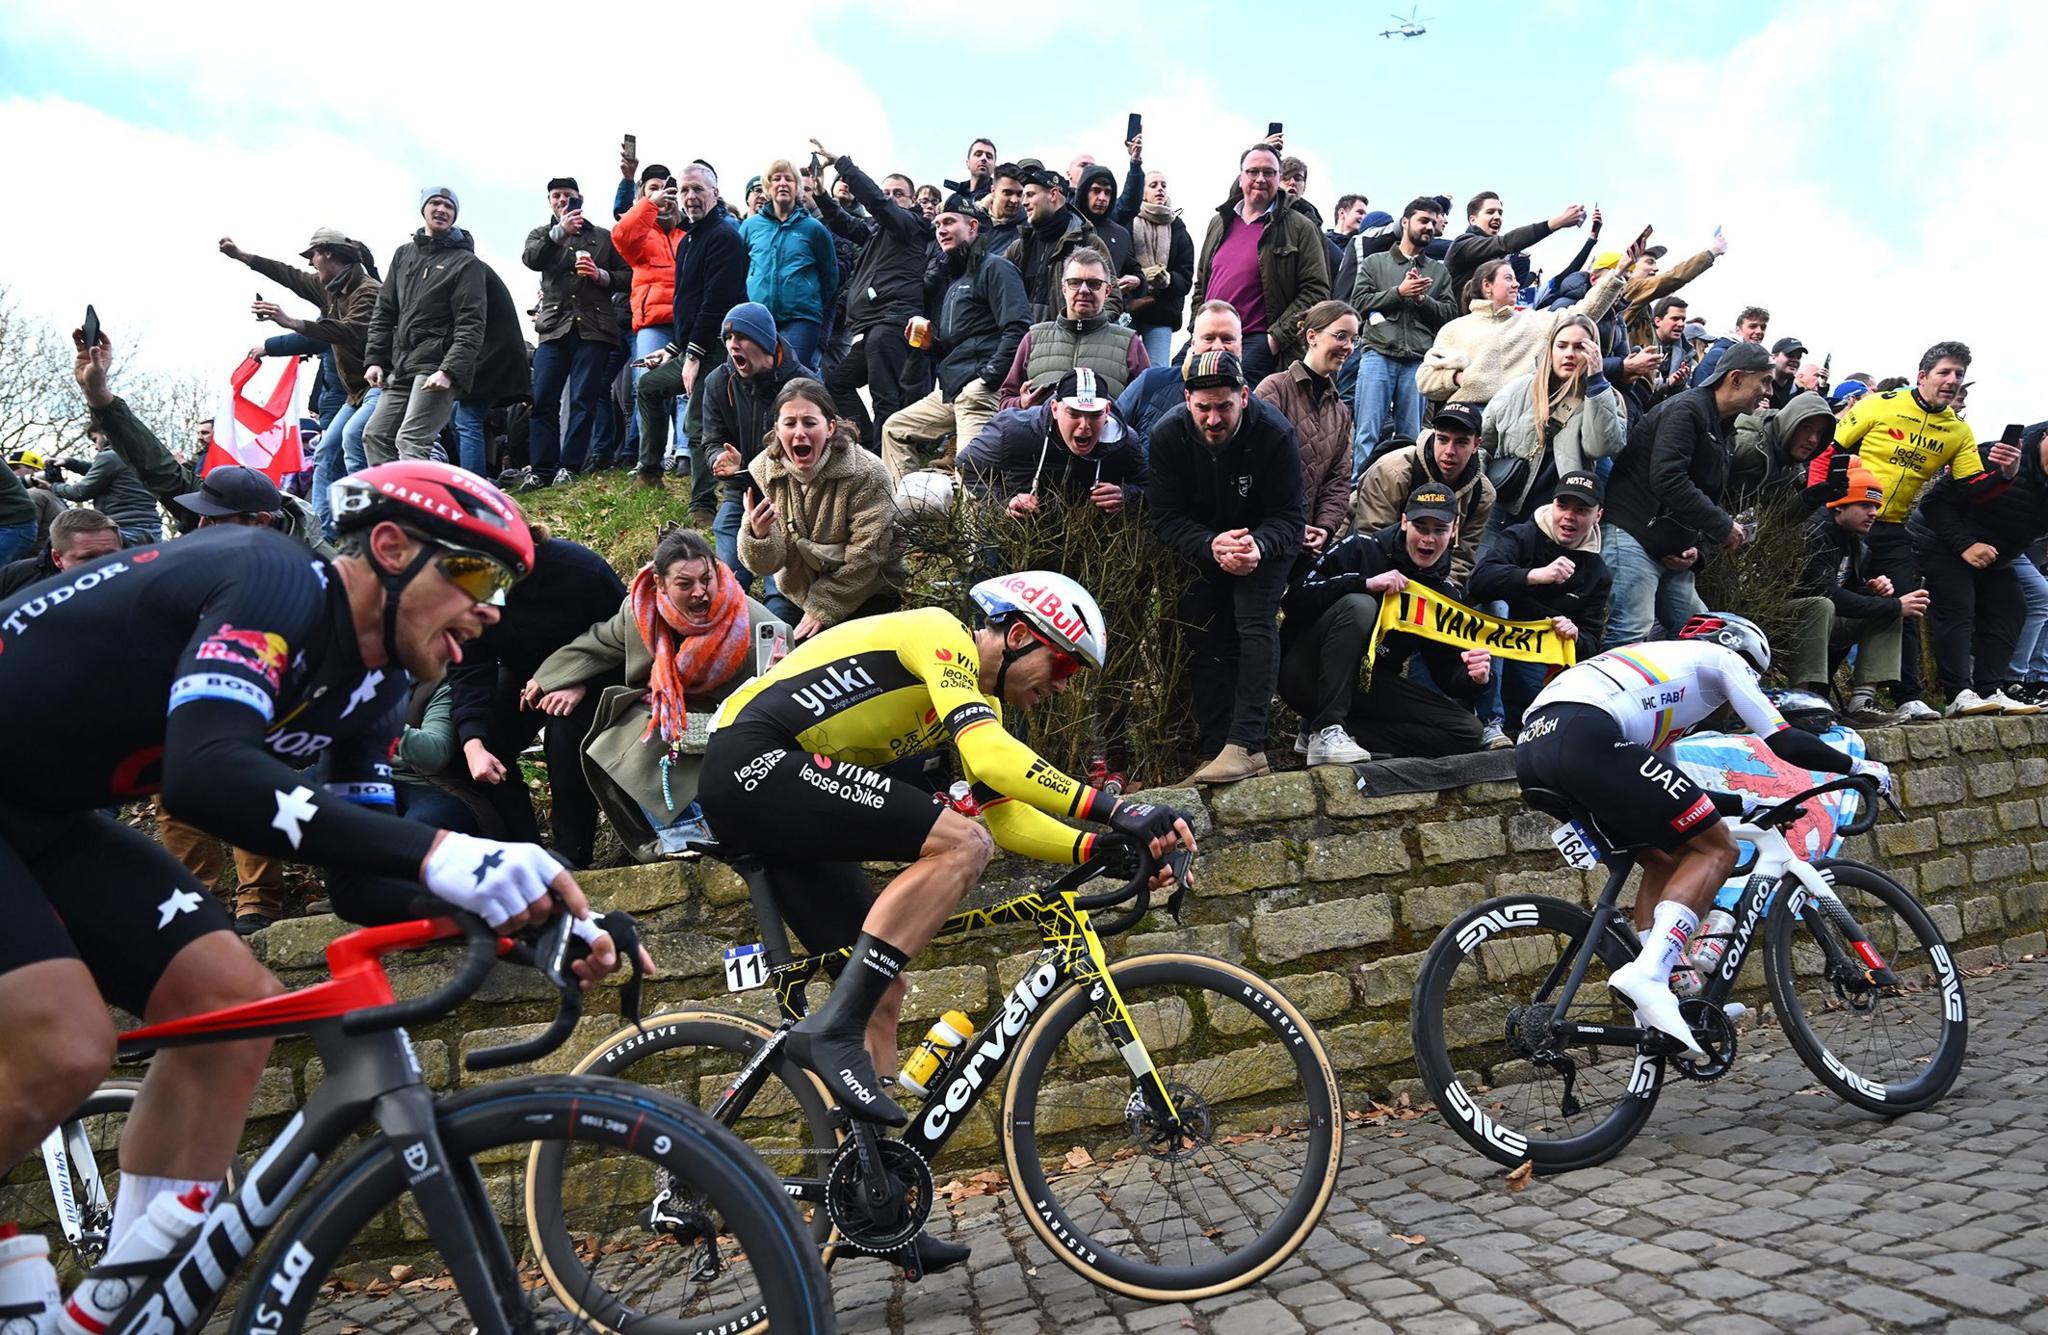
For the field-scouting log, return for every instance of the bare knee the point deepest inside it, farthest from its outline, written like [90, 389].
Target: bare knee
[213, 973]
[57, 1048]
[961, 843]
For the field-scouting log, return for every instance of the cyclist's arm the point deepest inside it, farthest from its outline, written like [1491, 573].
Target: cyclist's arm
[359, 772]
[1786, 742]
[1030, 832]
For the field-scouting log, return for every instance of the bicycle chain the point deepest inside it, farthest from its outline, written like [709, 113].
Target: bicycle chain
[910, 1172]
[1715, 1033]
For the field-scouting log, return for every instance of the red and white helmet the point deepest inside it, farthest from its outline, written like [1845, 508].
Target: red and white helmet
[1056, 607]
[449, 505]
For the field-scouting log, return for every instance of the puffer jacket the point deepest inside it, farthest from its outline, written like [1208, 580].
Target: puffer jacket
[570, 304]
[431, 312]
[792, 267]
[1322, 427]
[651, 249]
[833, 547]
[1592, 431]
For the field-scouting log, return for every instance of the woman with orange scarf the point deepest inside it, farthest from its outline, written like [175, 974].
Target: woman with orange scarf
[681, 642]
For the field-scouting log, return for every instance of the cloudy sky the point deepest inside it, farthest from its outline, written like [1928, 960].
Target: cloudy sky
[1875, 166]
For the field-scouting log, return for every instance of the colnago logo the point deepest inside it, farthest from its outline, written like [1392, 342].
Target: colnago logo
[17, 620]
[833, 683]
[1023, 1002]
[1761, 888]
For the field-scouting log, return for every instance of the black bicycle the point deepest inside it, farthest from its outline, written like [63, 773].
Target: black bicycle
[1171, 1124]
[441, 1173]
[1531, 1059]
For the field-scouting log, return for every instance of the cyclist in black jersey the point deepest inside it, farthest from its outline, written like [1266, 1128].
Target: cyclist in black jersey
[214, 669]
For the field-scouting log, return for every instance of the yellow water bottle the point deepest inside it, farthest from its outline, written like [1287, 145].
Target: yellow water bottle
[950, 1031]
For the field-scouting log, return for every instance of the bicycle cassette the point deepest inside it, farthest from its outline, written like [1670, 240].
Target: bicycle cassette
[1714, 1032]
[862, 1227]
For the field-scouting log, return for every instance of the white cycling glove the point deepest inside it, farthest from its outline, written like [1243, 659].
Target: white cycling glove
[1877, 770]
[492, 880]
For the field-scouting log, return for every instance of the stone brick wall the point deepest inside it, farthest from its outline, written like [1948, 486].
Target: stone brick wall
[1332, 893]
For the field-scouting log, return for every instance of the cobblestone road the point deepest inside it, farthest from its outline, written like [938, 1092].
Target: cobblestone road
[1757, 1203]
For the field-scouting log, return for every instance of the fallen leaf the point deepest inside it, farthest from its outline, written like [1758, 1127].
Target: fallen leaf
[401, 1273]
[1519, 1179]
[1077, 1159]
[1412, 1239]
[1395, 1135]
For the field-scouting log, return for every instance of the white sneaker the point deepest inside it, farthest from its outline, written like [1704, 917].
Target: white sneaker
[1968, 702]
[1493, 737]
[1301, 742]
[1654, 1004]
[1334, 746]
[2007, 705]
[563, 477]
[1917, 711]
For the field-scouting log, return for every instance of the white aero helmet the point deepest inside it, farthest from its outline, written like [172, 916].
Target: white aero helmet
[1051, 604]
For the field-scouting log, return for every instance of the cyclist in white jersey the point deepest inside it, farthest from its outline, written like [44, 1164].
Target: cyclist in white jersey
[1597, 734]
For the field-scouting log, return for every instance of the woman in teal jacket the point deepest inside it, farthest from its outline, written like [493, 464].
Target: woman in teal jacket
[791, 266]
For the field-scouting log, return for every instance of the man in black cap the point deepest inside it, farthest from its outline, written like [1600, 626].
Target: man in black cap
[1331, 612]
[233, 494]
[1226, 494]
[1786, 378]
[1448, 453]
[1053, 229]
[1664, 512]
[1548, 567]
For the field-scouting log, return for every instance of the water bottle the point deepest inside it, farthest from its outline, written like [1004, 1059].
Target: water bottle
[28, 1283]
[945, 1036]
[157, 1235]
[1710, 943]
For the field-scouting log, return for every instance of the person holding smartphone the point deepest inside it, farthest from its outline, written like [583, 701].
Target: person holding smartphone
[577, 328]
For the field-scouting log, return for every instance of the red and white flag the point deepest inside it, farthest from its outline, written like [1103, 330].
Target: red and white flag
[263, 436]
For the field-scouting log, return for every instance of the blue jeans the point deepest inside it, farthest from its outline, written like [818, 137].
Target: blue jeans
[17, 540]
[805, 338]
[725, 528]
[2030, 654]
[578, 364]
[1519, 684]
[646, 342]
[1488, 705]
[1648, 601]
[605, 431]
[1383, 382]
[327, 462]
[1158, 341]
[472, 441]
[352, 458]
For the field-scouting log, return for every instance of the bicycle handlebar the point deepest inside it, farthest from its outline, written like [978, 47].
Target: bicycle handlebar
[1789, 810]
[1138, 888]
[551, 957]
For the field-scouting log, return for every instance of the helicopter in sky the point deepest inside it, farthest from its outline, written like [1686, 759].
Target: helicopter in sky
[1409, 27]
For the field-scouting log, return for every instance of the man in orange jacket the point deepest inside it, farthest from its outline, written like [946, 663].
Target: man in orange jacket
[647, 235]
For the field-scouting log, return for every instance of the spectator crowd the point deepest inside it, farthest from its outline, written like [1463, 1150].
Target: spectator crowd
[1313, 419]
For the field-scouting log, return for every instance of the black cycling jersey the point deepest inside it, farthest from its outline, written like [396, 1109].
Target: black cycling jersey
[211, 669]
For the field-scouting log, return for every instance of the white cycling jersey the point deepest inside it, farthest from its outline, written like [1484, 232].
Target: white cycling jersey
[1662, 690]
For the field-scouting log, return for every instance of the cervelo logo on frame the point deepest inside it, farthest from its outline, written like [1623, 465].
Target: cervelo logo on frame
[1048, 603]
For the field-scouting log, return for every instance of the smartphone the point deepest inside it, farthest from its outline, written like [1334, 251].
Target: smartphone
[1134, 125]
[92, 328]
[259, 297]
[575, 202]
[1272, 128]
[630, 146]
[2014, 431]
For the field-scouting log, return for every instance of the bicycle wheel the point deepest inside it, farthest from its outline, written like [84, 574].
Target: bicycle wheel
[30, 1194]
[693, 1056]
[332, 1262]
[1478, 1024]
[1236, 1194]
[1889, 1050]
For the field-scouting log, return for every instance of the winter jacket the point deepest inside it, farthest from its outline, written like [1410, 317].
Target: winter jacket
[1837, 567]
[1040, 253]
[1394, 325]
[2009, 513]
[1343, 569]
[1322, 429]
[112, 488]
[651, 249]
[570, 589]
[1051, 348]
[1491, 347]
[570, 304]
[1293, 274]
[431, 312]
[17, 506]
[739, 410]
[792, 268]
[1642, 293]
[979, 315]
[1155, 393]
[1383, 494]
[1593, 431]
[887, 284]
[1503, 574]
[346, 304]
[1116, 239]
[1253, 482]
[1161, 305]
[1020, 451]
[1762, 468]
[833, 547]
[1473, 248]
[711, 279]
[18, 575]
[1905, 444]
[1666, 488]
[1367, 242]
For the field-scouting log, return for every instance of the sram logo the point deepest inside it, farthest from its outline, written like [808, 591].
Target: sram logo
[1024, 1001]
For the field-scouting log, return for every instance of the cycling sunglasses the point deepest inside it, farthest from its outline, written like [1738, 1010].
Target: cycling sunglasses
[1064, 664]
[484, 580]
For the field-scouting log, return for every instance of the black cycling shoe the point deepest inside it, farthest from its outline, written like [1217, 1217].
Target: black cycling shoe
[936, 1254]
[839, 1057]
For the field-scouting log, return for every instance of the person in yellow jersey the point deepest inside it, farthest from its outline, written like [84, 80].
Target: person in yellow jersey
[792, 774]
[1906, 437]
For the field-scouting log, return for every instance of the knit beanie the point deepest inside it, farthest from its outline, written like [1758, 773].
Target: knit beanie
[752, 320]
[444, 192]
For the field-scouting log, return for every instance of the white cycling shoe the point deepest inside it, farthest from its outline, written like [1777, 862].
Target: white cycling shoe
[1646, 988]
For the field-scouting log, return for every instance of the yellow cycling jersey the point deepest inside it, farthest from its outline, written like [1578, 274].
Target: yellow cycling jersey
[1906, 445]
[883, 688]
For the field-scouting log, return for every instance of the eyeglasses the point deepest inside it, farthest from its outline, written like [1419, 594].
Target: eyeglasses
[1064, 664]
[484, 580]
[1086, 284]
[1261, 173]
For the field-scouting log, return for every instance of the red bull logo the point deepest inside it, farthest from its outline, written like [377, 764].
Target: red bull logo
[260, 651]
[1068, 622]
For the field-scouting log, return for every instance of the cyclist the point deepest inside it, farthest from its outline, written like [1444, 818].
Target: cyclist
[790, 776]
[211, 669]
[1599, 734]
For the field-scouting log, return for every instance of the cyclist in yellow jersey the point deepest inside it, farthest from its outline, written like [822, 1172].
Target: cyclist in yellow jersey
[792, 776]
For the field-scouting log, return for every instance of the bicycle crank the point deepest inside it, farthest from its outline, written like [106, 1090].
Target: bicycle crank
[1714, 1032]
[906, 1201]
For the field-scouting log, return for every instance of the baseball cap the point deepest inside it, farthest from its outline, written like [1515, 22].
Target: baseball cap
[1578, 487]
[1463, 416]
[232, 489]
[1788, 345]
[331, 237]
[1863, 488]
[1081, 391]
[1657, 252]
[1738, 357]
[1432, 500]
[1606, 259]
[1695, 330]
[1216, 369]
[1846, 391]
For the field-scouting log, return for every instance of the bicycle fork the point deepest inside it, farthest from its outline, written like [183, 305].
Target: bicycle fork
[64, 1150]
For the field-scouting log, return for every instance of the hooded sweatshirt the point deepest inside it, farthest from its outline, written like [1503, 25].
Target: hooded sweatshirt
[1344, 569]
[1503, 573]
[1762, 467]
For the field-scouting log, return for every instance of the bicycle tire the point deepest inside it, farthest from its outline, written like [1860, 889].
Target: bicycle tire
[1842, 1051]
[648, 1055]
[1485, 1115]
[303, 1262]
[28, 1196]
[1035, 1129]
